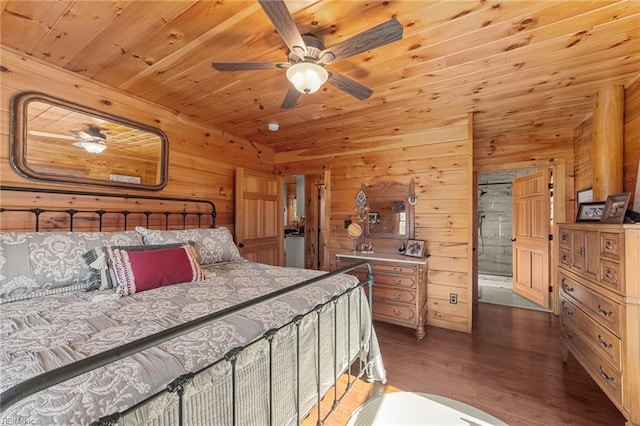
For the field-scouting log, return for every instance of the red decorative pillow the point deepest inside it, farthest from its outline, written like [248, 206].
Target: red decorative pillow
[136, 270]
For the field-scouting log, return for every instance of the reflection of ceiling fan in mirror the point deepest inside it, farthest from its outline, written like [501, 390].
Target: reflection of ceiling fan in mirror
[90, 139]
[307, 55]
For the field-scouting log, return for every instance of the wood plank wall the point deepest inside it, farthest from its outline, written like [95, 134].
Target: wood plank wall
[582, 148]
[583, 144]
[527, 151]
[202, 159]
[631, 137]
[440, 161]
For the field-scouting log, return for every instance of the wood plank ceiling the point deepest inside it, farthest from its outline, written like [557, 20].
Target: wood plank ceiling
[527, 69]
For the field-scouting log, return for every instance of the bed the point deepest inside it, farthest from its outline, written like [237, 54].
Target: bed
[103, 334]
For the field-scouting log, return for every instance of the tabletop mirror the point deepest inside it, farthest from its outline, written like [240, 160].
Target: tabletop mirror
[390, 215]
[59, 141]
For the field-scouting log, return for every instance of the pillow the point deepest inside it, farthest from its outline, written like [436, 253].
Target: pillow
[135, 269]
[34, 264]
[96, 260]
[212, 245]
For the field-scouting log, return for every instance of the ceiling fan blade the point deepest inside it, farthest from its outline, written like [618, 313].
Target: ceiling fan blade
[290, 99]
[52, 135]
[282, 20]
[349, 86]
[377, 36]
[248, 66]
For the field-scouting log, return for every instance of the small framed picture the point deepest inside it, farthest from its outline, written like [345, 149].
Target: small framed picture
[590, 212]
[584, 196]
[615, 208]
[415, 248]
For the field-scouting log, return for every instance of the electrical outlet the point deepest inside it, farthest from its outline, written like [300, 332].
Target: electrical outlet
[453, 298]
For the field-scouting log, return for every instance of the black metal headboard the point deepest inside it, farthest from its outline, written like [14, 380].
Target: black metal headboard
[193, 212]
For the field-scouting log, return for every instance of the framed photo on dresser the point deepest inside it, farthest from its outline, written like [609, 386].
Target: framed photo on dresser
[415, 248]
[590, 212]
[615, 208]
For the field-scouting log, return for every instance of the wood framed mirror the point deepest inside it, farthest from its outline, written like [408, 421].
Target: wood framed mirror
[59, 141]
[390, 214]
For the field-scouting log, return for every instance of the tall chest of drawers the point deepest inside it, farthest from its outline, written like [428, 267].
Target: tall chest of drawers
[599, 276]
[399, 287]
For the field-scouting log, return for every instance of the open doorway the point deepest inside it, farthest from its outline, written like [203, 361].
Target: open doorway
[294, 221]
[495, 232]
[304, 219]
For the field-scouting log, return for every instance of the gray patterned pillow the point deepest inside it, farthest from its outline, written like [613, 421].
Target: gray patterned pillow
[34, 264]
[212, 245]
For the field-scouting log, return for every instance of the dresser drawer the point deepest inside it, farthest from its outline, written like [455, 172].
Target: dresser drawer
[610, 275]
[394, 280]
[565, 257]
[394, 312]
[610, 245]
[604, 310]
[394, 269]
[607, 377]
[565, 238]
[602, 340]
[401, 295]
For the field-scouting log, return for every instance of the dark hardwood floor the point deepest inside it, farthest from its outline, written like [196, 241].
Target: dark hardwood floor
[510, 366]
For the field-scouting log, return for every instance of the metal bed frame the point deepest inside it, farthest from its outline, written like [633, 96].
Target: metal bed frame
[181, 383]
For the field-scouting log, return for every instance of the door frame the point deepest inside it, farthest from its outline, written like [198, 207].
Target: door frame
[323, 217]
[563, 210]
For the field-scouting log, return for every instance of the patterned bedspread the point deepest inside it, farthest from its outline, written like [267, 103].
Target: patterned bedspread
[41, 334]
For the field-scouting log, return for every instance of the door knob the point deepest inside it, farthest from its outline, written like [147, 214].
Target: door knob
[513, 240]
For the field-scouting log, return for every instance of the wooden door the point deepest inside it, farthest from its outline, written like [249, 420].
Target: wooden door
[259, 217]
[531, 223]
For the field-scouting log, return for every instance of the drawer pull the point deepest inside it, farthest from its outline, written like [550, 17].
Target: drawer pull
[606, 376]
[603, 312]
[608, 274]
[603, 343]
[569, 336]
[566, 286]
[397, 282]
[397, 296]
[608, 245]
[567, 312]
[565, 258]
[397, 312]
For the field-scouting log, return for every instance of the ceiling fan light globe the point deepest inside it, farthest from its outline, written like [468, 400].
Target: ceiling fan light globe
[307, 77]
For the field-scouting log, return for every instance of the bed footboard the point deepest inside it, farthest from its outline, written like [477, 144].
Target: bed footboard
[349, 343]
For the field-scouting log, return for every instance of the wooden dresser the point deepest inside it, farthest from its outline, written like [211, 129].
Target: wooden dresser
[599, 276]
[399, 287]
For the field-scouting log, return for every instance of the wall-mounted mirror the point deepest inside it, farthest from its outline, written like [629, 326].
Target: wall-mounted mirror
[390, 214]
[59, 141]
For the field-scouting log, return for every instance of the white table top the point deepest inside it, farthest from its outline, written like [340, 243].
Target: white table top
[385, 257]
[410, 408]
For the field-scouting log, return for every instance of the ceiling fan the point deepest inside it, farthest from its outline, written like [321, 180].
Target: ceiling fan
[308, 56]
[90, 139]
